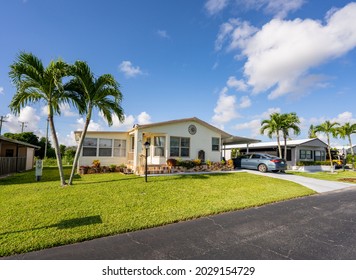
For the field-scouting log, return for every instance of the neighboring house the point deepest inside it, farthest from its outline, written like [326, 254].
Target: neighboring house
[189, 138]
[345, 148]
[15, 156]
[297, 150]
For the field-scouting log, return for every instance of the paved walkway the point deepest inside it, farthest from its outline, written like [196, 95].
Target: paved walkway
[317, 185]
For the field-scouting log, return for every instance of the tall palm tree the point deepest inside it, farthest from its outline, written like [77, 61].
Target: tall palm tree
[273, 126]
[328, 128]
[290, 121]
[101, 93]
[311, 132]
[345, 131]
[35, 83]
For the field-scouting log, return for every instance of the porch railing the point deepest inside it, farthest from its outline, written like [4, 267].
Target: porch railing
[8, 165]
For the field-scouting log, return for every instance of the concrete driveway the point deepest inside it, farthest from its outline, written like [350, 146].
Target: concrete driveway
[317, 185]
[321, 226]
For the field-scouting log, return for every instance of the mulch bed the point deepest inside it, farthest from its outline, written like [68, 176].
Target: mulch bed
[351, 180]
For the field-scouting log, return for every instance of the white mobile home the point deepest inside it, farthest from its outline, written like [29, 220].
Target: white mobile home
[189, 138]
[297, 150]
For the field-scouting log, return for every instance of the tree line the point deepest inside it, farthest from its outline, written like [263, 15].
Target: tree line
[83, 90]
[280, 125]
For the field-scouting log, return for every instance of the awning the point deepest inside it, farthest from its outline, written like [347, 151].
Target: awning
[234, 140]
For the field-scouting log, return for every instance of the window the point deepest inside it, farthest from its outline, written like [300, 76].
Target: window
[305, 154]
[319, 155]
[9, 153]
[89, 147]
[215, 144]
[179, 146]
[119, 148]
[105, 147]
[256, 156]
[159, 145]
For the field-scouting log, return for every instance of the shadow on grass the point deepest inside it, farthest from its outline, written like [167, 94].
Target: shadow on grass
[192, 176]
[65, 224]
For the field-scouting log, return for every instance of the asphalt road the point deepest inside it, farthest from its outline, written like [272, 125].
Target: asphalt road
[321, 226]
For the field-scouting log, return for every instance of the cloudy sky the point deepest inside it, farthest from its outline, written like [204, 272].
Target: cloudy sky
[229, 62]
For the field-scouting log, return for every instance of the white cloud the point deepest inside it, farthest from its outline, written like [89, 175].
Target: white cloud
[144, 118]
[66, 111]
[277, 8]
[238, 85]
[129, 121]
[245, 102]
[93, 126]
[254, 125]
[129, 70]
[225, 109]
[344, 118]
[215, 6]
[281, 55]
[28, 115]
[163, 34]
[1, 90]
[68, 140]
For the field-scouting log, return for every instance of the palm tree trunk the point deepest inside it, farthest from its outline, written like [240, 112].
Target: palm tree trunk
[285, 147]
[57, 150]
[352, 152]
[329, 151]
[279, 145]
[79, 148]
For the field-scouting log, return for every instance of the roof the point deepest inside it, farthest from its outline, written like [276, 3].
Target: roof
[227, 139]
[18, 142]
[290, 143]
[194, 119]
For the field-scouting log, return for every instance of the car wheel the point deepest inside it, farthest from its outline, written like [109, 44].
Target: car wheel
[262, 168]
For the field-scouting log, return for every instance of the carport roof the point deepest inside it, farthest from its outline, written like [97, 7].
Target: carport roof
[236, 140]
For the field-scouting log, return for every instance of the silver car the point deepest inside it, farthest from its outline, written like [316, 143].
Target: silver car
[261, 162]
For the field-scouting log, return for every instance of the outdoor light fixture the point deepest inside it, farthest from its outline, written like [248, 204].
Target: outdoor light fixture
[147, 146]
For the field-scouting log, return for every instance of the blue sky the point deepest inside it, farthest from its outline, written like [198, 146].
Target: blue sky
[229, 62]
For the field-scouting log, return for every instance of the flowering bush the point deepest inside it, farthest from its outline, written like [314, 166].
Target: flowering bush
[96, 163]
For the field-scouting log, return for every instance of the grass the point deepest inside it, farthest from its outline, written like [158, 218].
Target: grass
[37, 215]
[340, 176]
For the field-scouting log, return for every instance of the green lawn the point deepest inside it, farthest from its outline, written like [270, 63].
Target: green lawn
[37, 215]
[340, 176]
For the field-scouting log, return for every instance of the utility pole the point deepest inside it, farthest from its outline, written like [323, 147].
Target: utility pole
[2, 121]
[23, 124]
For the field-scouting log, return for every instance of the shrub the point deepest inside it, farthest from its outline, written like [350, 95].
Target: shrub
[197, 162]
[171, 162]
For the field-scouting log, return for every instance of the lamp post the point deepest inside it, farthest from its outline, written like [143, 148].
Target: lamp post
[147, 146]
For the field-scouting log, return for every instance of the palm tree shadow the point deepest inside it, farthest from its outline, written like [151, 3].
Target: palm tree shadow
[65, 224]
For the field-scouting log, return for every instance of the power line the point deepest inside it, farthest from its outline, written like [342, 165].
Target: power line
[2, 121]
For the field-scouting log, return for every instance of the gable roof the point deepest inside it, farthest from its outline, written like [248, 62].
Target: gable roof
[194, 119]
[2, 138]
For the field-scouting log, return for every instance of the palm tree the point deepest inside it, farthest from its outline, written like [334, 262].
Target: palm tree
[101, 93]
[328, 128]
[311, 132]
[273, 126]
[35, 83]
[345, 131]
[290, 122]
